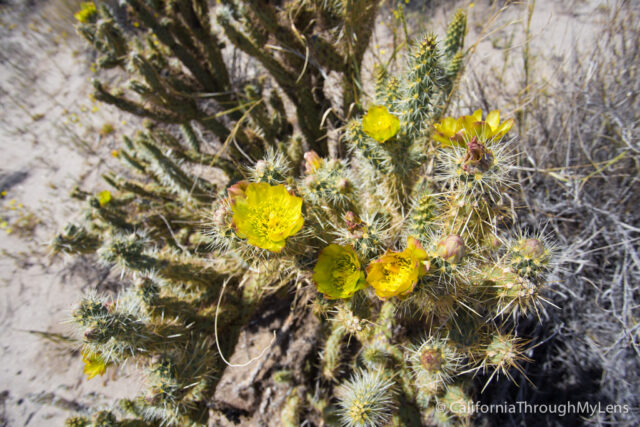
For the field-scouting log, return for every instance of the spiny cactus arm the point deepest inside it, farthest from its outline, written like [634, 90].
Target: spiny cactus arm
[332, 353]
[393, 95]
[456, 32]
[125, 104]
[426, 79]
[112, 42]
[186, 40]
[110, 215]
[196, 17]
[260, 114]
[190, 136]
[106, 37]
[309, 116]
[384, 354]
[453, 51]
[160, 87]
[150, 191]
[76, 240]
[112, 331]
[183, 183]
[244, 43]
[309, 119]
[325, 53]
[238, 135]
[268, 18]
[130, 253]
[293, 405]
[386, 320]
[162, 29]
[365, 146]
[181, 364]
[195, 156]
[359, 19]
[381, 81]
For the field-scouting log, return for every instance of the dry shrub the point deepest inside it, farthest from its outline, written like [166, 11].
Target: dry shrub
[580, 169]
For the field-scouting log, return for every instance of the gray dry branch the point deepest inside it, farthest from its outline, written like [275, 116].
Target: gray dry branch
[581, 170]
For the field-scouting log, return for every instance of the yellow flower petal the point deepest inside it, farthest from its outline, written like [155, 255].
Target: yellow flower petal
[458, 132]
[493, 119]
[104, 197]
[266, 215]
[93, 364]
[87, 12]
[396, 273]
[504, 128]
[337, 272]
[379, 124]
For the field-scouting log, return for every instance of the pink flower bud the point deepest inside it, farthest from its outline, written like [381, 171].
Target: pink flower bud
[451, 249]
[237, 190]
[312, 162]
[532, 248]
[477, 158]
[352, 220]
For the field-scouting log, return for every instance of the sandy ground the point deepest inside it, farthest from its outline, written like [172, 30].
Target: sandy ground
[50, 143]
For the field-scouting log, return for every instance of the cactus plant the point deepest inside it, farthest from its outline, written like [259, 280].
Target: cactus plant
[401, 260]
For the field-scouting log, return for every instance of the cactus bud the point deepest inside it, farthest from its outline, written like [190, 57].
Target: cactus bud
[366, 400]
[220, 215]
[312, 162]
[477, 158]
[352, 220]
[110, 306]
[76, 422]
[532, 248]
[344, 185]
[237, 190]
[530, 257]
[431, 359]
[261, 168]
[451, 249]
[104, 419]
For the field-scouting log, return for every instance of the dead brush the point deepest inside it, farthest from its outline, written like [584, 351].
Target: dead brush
[580, 168]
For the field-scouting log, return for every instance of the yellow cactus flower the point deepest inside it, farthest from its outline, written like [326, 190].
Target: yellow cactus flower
[487, 129]
[396, 273]
[86, 13]
[380, 124]
[266, 215]
[104, 197]
[498, 130]
[449, 132]
[337, 272]
[93, 364]
[458, 132]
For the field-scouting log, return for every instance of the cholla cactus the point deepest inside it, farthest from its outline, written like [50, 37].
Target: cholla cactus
[400, 258]
[366, 400]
